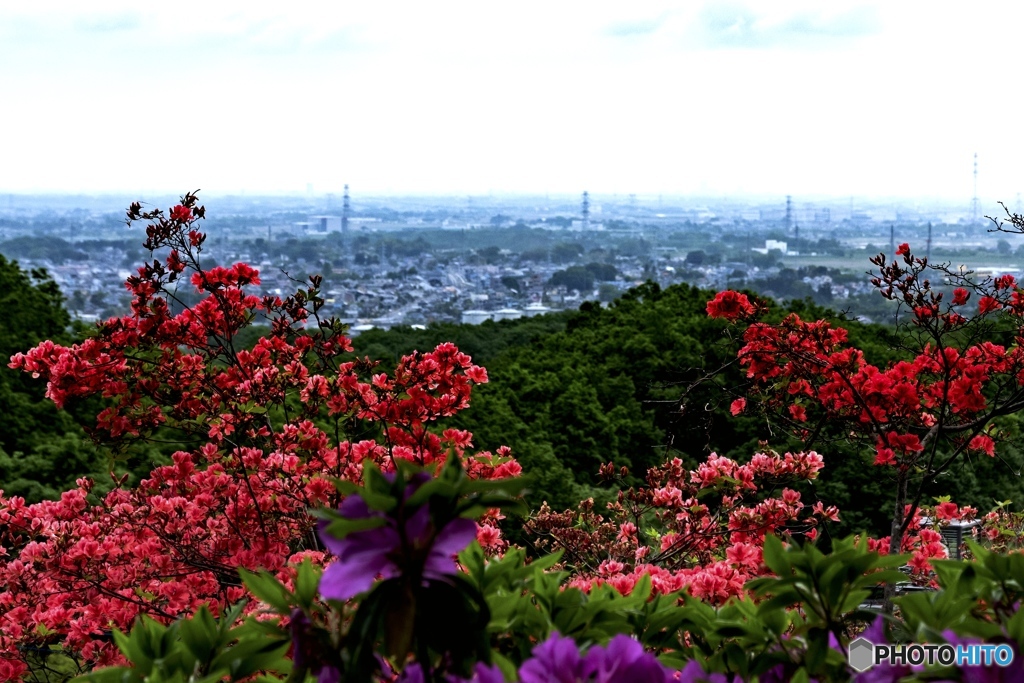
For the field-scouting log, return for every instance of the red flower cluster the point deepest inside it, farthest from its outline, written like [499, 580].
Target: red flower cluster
[730, 305]
[944, 393]
[275, 422]
[181, 214]
[674, 532]
[923, 541]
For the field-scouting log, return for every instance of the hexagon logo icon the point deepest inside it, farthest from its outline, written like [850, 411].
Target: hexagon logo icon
[862, 654]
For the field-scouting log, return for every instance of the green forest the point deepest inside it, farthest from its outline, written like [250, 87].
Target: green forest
[646, 378]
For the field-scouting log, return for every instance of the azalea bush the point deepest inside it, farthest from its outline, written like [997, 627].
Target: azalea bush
[942, 403]
[699, 530]
[261, 434]
[426, 618]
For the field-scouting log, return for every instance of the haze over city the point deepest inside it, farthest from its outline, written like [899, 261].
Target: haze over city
[757, 99]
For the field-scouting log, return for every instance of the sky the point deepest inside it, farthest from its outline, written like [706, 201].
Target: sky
[766, 98]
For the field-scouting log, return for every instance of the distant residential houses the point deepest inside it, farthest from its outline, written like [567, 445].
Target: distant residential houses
[446, 286]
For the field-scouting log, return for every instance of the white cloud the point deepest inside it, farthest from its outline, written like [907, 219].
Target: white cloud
[773, 97]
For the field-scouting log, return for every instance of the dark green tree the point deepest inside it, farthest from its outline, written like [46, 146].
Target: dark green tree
[579, 278]
[42, 449]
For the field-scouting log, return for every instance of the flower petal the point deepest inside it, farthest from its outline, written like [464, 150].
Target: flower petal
[418, 527]
[452, 539]
[335, 545]
[556, 660]
[343, 580]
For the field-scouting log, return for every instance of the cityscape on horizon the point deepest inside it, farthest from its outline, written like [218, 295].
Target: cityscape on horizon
[390, 261]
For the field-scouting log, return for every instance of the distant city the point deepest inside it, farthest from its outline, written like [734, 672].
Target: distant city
[390, 261]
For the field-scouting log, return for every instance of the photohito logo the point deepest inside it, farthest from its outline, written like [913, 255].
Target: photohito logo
[864, 654]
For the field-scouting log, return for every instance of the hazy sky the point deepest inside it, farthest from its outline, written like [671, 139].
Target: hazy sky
[771, 98]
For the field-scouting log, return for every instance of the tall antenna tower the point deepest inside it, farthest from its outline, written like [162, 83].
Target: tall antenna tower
[344, 214]
[586, 210]
[974, 199]
[789, 213]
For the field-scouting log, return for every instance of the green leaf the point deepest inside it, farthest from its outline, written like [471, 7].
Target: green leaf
[307, 580]
[775, 555]
[199, 634]
[268, 589]
[340, 528]
[435, 487]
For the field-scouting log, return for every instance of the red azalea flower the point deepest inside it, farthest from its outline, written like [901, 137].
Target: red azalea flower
[182, 214]
[987, 304]
[730, 305]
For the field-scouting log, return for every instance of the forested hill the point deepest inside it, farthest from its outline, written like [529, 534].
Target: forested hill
[573, 391]
[631, 384]
[42, 449]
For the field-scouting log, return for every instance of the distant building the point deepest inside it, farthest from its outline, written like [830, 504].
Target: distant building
[475, 317]
[772, 245]
[535, 309]
[356, 330]
[324, 224]
[507, 314]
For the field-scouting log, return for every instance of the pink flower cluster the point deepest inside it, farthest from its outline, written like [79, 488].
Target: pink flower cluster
[673, 531]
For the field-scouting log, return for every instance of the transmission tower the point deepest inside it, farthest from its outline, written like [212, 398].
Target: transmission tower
[586, 211]
[344, 214]
[974, 199]
[789, 213]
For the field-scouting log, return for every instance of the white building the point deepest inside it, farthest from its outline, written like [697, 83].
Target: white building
[475, 317]
[536, 309]
[507, 314]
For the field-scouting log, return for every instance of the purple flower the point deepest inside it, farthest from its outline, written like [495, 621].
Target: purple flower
[363, 555]
[885, 672]
[876, 632]
[306, 652]
[623, 661]
[987, 674]
[695, 673]
[482, 673]
[556, 660]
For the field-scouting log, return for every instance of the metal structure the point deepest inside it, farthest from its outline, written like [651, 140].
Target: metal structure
[954, 535]
[344, 214]
[974, 199]
[586, 211]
